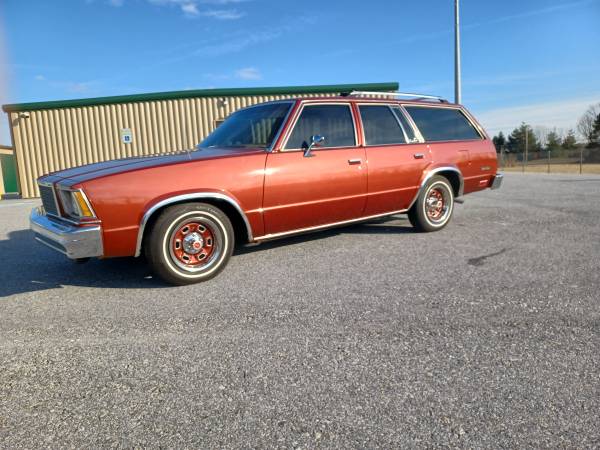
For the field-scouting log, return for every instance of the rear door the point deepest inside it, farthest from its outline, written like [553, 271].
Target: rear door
[396, 158]
[329, 186]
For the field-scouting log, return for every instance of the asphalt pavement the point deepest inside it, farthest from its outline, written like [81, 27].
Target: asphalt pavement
[483, 335]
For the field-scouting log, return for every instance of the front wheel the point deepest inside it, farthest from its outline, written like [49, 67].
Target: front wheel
[434, 206]
[189, 243]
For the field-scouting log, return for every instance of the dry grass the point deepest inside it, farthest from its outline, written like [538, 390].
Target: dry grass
[554, 168]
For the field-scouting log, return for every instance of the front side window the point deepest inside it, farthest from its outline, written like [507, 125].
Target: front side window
[251, 127]
[380, 125]
[334, 122]
[442, 124]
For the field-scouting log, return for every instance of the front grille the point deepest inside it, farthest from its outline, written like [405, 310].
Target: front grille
[48, 200]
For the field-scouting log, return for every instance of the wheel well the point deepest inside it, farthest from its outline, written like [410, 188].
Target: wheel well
[237, 221]
[454, 179]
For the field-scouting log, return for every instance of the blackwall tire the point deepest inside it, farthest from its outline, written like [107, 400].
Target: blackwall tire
[434, 207]
[189, 243]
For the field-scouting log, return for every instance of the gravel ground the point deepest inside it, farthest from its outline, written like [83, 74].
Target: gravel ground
[483, 335]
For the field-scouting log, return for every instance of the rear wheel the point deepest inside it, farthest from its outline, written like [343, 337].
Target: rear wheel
[434, 206]
[190, 243]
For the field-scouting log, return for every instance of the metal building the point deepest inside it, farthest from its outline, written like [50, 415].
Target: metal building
[50, 136]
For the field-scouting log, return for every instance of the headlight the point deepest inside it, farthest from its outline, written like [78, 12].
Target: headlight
[75, 204]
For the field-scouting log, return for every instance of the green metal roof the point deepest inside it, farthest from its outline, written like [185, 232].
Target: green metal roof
[173, 95]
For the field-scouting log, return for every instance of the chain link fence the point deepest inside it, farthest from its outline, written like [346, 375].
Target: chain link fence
[578, 160]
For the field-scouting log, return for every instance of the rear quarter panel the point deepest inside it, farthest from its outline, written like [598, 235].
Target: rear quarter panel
[476, 159]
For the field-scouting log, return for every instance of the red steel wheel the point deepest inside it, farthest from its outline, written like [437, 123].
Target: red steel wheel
[189, 243]
[193, 243]
[435, 204]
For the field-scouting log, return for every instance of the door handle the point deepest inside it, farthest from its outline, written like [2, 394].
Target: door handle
[354, 161]
[419, 155]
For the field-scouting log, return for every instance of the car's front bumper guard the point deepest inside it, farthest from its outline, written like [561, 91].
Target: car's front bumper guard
[74, 241]
[497, 182]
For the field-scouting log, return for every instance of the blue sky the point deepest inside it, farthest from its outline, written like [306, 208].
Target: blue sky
[533, 60]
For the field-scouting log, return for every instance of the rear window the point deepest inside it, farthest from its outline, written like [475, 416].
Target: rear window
[380, 125]
[442, 124]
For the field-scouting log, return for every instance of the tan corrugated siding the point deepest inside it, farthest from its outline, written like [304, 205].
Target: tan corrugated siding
[51, 140]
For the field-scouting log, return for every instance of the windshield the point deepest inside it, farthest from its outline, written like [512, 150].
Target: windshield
[251, 127]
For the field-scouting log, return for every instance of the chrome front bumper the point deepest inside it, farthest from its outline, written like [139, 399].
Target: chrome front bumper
[73, 241]
[497, 183]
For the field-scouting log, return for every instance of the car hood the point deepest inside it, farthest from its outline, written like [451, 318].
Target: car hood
[91, 171]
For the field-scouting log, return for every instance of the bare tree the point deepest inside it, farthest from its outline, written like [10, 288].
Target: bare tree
[541, 133]
[585, 125]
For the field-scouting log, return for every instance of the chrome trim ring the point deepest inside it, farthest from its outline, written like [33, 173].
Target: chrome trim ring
[218, 251]
[438, 203]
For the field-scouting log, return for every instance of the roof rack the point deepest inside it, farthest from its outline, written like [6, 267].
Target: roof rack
[400, 94]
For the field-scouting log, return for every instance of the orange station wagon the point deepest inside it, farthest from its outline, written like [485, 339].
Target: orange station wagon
[271, 170]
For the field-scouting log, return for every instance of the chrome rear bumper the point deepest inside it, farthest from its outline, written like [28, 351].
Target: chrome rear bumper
[497, 182]
[73, 241]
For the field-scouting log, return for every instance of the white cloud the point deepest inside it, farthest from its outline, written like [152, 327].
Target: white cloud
[78, 87]
[560, 113]
[531, 13]
[248, 73]
[190, 9]
[224, 14]
[222, 2]
[71, 87]
[116, 3]
[238, 44]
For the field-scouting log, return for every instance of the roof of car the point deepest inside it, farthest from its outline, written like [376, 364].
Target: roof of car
[382, 99]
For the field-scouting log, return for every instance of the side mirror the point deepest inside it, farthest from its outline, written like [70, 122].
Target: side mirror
[314, 140]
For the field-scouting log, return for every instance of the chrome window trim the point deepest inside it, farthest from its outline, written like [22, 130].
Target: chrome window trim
[304, 104]
[281, 128]
[182, 198]
[389, 106]
[482, 135]
[418, 139]
[411, 122]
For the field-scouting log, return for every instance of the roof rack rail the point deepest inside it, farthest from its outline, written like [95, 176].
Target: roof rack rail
[401, 94]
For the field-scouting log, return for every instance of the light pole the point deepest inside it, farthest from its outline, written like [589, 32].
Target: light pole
[456, 53]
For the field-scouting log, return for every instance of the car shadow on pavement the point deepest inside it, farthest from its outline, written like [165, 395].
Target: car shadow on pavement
[28, 266]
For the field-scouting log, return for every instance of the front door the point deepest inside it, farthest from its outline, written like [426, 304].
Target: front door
[327, 187]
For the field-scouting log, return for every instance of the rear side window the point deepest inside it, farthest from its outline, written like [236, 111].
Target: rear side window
[380, 125]
[334, 122]
[442, 124]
